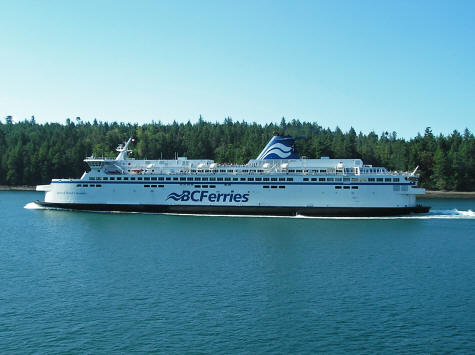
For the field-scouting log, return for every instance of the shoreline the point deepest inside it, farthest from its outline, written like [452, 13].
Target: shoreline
[429, 194]
[464, 195]
[17, 188]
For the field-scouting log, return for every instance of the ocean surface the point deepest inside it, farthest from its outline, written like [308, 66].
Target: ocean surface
[83, 282]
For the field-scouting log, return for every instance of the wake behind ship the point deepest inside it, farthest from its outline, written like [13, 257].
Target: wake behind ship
[278, 182]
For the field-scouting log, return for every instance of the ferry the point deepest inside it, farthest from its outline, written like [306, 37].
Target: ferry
[277, 183]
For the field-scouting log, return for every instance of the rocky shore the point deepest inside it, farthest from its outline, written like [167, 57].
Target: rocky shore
[17, 188]
[448, 195]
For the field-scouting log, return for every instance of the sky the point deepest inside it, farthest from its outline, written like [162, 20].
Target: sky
[373, 65]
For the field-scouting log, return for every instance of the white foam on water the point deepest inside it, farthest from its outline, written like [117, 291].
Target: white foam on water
[434, 214]
[33, 206]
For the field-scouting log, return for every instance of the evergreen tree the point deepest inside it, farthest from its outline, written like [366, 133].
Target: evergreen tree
[34, 153]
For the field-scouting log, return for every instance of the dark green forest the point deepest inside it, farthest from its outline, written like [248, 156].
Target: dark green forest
[34, 153]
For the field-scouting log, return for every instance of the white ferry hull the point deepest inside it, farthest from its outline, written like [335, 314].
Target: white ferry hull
[303, 198]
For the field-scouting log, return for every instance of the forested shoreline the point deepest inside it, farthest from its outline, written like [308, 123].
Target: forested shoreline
[35, 153]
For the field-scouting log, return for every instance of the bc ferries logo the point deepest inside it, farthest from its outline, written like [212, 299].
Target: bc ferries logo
[204, 195]
[279, 148]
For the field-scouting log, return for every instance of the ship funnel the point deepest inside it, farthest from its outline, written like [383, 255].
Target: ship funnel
[280, 147]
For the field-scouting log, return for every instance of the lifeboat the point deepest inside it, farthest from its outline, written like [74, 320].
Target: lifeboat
[136, 171]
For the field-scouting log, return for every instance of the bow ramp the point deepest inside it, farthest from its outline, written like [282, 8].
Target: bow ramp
[279, 148]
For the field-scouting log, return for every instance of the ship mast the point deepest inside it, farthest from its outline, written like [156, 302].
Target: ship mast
[123, 151]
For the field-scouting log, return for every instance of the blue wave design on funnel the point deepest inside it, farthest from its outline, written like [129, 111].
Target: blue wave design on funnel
[279, 148]
[175, 196]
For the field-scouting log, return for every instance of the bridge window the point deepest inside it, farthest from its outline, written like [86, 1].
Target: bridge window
[396, 180]
[305, 179]
[338, 187]
[290, 179]
[346, 187]
[265, 179]
[321, 179]
[387, 179]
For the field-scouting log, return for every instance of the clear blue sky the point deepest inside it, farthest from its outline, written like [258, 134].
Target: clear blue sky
[374, 65]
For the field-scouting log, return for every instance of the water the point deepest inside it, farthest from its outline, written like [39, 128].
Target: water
[101, 283]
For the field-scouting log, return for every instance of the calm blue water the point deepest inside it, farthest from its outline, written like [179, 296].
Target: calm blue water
[101, 283]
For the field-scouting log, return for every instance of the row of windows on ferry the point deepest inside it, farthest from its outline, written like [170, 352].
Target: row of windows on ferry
[338, 187]
[321, 179]
[307, 171]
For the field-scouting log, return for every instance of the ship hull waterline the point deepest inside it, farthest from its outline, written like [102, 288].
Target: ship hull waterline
[242, 210]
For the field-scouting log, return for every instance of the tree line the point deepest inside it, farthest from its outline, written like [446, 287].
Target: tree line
[34, 153]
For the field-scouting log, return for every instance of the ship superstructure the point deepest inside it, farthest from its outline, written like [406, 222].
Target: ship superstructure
[277, 182]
